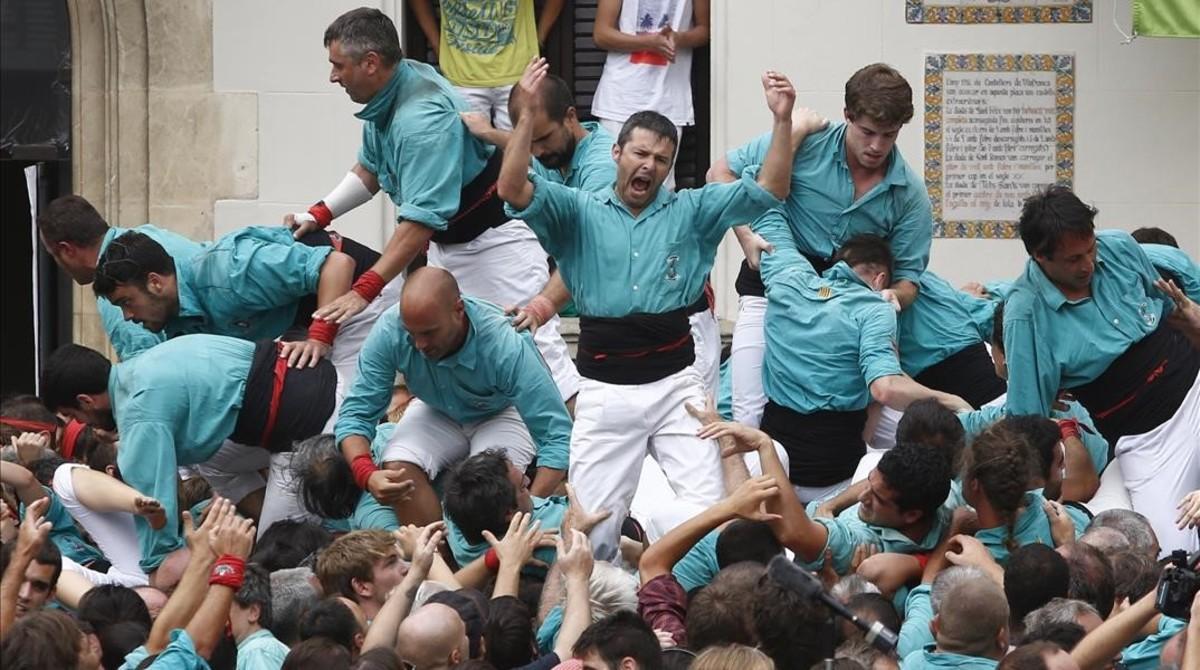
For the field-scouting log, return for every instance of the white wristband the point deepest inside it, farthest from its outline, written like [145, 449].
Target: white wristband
[347, 195]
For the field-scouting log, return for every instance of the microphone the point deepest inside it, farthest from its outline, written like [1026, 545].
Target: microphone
[793, 577]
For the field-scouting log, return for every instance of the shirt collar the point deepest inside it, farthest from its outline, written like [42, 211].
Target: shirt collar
[1051, 294]
[844, 272]
[581, 148]
[189, 303]
[896, 174]
[261, 633]
[379, 109]
[661, 199]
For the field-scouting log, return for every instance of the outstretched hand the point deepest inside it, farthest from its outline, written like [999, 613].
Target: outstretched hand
[746, 502]
[744, 438]
[781, 96]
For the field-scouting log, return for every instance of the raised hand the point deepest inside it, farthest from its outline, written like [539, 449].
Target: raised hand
[747, 500]
[745, 438]
[234, 536]
[424, 549]
[522, 538]
[1189, 511]
[34, 530]
[781, 96]
[534, 73]
[577, 560]
[30, 446]
[198, 539]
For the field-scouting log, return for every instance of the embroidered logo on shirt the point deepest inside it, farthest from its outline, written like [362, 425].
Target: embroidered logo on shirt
[672, 272]
[824, 293]
[1148, 315]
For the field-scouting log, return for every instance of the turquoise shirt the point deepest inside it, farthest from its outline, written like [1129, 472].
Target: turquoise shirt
[1145, 654]
[370, 514]
[929, 657]
[725, 390]
[823, 213]
[1032, 527]
[247, 284]
[549, 511]
[174, 405]
[129, 339]
[592, 167]
[261, 651]
[698, 567]
[915, 633]
[1052, 343]
[848, 530]
[180, 654]
[616, 264]
[977, 421]
[415, 143]
[828, 337]
[64, 533]
[1179, 265]
[495, 368]
[942, 321]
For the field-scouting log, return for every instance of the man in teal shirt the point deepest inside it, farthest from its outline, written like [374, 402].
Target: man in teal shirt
[847, 179]
[1172, 262]
[1085, 316]
[634, 258]
[75, 235]
[477, 383]
[971, 628]
[178, 402]
[440, 178]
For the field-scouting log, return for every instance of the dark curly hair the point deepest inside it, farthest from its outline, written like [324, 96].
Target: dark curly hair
[919, 475]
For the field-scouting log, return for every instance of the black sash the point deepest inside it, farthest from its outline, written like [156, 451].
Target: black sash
[479, 207]
[749, 281]
[702, 303]
[823, 447]
[1143, 387]
[302, 405]
[967, 373]
[634, 349]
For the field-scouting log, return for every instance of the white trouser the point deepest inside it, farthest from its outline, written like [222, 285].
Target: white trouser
[113, 532]
[807, 494]
[491, 101]
[616, 425]
[112, 577]
[706, 334]
[1112, 493]
[352, 334]
[1161, 466]
[506, 265]
[746, 359]
[614, 128]
[433, 441]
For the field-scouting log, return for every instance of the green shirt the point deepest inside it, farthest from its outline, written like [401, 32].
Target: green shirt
[1144, 654]
[929, 657]
[247, 284]
[1177, 265]
[261, 651]
[1052, 343]
[942, 321]
[64, 533]
[496, 368]
[129, 339]
[828, 337]
[698, 567]
[823, 213]
[174, 405]
[616, 264]
[915, 634]
[414, 142]
[1031, 527]
[848, 530]
[592, 167]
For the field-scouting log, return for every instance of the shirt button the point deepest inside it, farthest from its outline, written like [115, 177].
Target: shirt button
[635, 287]
[635, 254]
[1116, 322]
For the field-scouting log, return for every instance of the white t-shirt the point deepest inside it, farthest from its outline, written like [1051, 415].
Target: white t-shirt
[633, 82]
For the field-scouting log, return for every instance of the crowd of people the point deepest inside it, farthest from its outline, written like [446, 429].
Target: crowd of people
[307, 453]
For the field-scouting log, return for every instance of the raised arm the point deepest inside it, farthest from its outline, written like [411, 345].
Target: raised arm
[26, 486]
[34, 532]
[231, 543]
[189, 594]
[514, 186]
[576, 566]
[776, 173]
[384, 627]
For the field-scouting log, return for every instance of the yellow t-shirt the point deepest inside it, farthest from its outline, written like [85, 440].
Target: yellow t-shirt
[486, 43]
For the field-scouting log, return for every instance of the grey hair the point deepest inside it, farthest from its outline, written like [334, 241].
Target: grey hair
[1105, 538]
[292, 594]
[850, 586]
[360, 31]
[1135, 527]
[612, 590]
[1058, 610]
[950, 578]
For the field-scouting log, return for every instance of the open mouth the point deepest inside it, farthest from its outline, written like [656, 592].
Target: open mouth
[640, 185]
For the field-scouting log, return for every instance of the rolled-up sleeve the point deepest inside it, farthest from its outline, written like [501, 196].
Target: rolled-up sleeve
[877, 344]
[718, 206]
[431, 177]
[912, 237]
[662, 604]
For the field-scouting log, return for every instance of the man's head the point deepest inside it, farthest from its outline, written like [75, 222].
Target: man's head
[973, 620]
[644, 154]
[251, 608]
[1035, 575]
[621, 641]
[75, 384]
[39, 580]
[723, 611]
[878, 102]
[363, 52]
[289, 543]
[931, 424]
[1134, 526]
[363, 565]
[870, 608]
[1092, 578]
[432, 637]
[71, 231]
[1047, 453]
[509, 632]
[554, 121]
[317, 652]
[293, 592]
[1063, 610]
[906, 487]
[337, 619]
[1059, 234]
[432, 311]
[1154, 235]
[107, 604]
[1038, 656]
[323, 478]
[475, 611]
[483, 493]
[136, 274]
[49, 639]
[871, 259]
[26, 414]
[746, 540]
[789, 626]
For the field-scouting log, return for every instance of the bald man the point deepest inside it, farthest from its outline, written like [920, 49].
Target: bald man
[432, 637]
[478, 385]
[971, 628]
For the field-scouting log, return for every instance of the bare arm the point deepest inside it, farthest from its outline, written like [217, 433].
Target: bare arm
[837, 504]
[34, 532]
[900, 391]
[235, 537]
[382, 632]
[27, 487]
[698, 34]
[548, 18]
[423, 10]
[576, 565]
[776, 173]
[1098, 647]
[189, 594]
[514, 186]
[607, 36]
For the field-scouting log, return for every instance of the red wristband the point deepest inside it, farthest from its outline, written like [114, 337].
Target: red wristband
[228, 571]
[369, 285]
[492, 560]
[1068, 428]
[362, 467]
[922, 559]
[542, 308]
[321, 213]
[322, 331]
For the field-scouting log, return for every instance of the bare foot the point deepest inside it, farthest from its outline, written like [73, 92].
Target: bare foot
[152, 510]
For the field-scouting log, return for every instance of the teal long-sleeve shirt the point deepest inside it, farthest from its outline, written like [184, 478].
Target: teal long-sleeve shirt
[495, 368]
[616, 264]
[174, 405]
[828, 337]
[415, 143]
[1052, 343]
[942, 321]
[129, 339]
[823, 212]
[1177, 265]
[247, 284]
